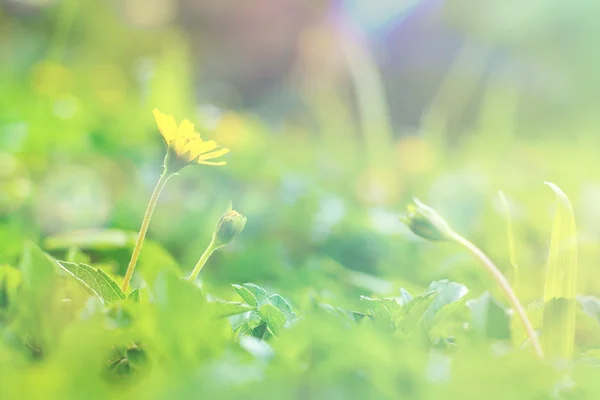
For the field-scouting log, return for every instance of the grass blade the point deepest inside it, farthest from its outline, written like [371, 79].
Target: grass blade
[558, 325]
[512, 252]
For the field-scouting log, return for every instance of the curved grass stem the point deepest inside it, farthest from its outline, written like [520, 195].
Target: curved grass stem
[506, 288]
[144, 228]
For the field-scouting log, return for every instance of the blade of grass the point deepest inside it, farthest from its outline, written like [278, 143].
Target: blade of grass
[512, 253]
[372, 107]
[558, 324]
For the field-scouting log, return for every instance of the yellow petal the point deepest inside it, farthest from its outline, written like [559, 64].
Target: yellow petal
[214, 154]
[212, 162]
[186, 128]
[199, 146]
[166, 125]
[208, 146]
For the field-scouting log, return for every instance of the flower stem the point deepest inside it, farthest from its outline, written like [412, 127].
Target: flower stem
[207, 253]
[144, 228]
[506, 288]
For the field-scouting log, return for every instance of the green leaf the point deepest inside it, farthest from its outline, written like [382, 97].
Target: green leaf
[405, 296]
[283, 306]
[10, 279]
[38, 272]
[104, 239]
[260, 294]
[261, 331]
[241, 329]
[423, 308]
[415, 310]
[391, 315]
[387, 313]
[273, 317]
[222, 309]
[372, 304]
[489, 318]
[134, 295]
[38, 296]
[447, 293]
[36, 266]
[450, 321]
[558, 321]
[94, 280]
[246, 295]
[154, 260]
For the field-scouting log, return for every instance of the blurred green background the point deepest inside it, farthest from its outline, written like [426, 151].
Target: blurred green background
[337, 113]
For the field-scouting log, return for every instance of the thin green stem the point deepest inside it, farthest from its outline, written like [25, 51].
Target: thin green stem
[144, 228]
[207, 253]
[506, 288]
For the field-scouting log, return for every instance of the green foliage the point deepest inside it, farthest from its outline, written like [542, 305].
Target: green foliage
[222, 309]
[489, 318]
[414, 311]
[135, 295]
[96, 281]
[270, 312]
[252, 294]
[321, 183]
[273, 317]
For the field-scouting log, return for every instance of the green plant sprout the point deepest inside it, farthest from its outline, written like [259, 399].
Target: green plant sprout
[228, 228]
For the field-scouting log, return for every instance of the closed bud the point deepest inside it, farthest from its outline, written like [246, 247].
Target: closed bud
[230, 225]
[425, 222]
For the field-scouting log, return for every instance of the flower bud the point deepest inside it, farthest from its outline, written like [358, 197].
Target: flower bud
[425, 222]
[229, 227]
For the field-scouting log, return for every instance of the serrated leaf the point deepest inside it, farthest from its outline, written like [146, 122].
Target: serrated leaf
[260, 294]
[95, 281]
[405, 296]
[415, 310]
[222, 309]
[558, 321]
[489, 318]
[450, 320]
[283, 305]
[387, 313]
[447, 293]
[358, 317]
[246, 295]
[273, 317]
[371, 304]
[134, 296]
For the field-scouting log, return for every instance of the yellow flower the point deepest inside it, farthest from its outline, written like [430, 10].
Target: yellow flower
[184, 144]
